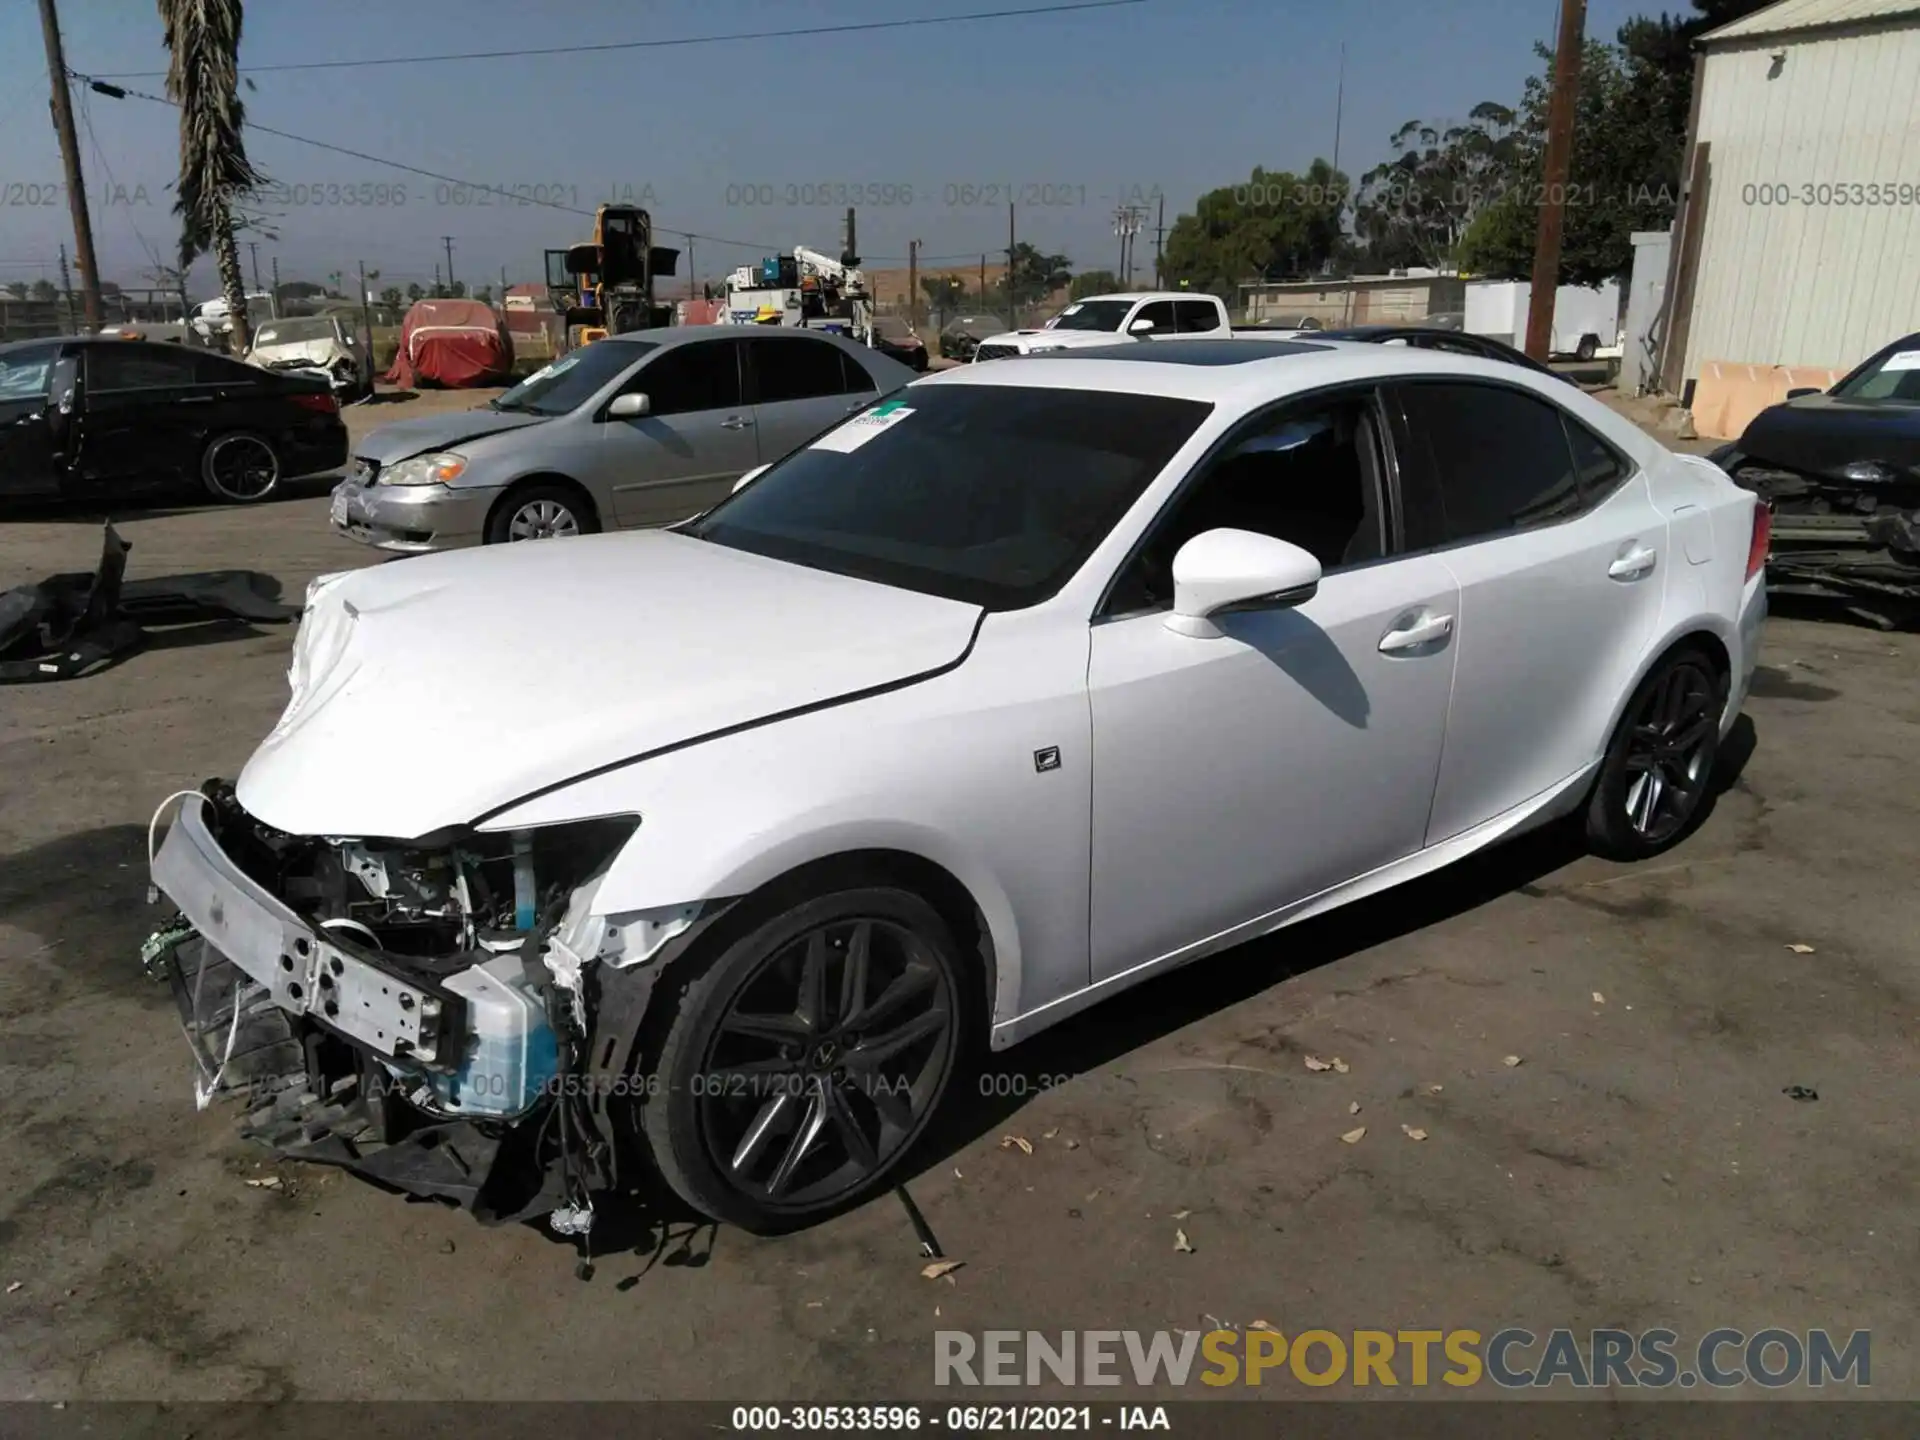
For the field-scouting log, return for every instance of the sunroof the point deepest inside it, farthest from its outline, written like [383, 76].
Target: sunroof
[1185, 352]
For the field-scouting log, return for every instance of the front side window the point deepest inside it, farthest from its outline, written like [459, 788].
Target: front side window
[1309, 474]
[1498, 461]
[989, 494]
[24, 372]
[686, 379]
[574, 378]
[1159, 315]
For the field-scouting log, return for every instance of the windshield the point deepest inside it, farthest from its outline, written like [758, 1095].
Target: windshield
[293, 332]
[1092, 315]
[1894, 377]
[572, 380]
[989, 494]
[23, 373]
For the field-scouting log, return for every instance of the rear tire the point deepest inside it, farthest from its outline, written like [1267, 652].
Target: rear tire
[1659, 764]
[240, 468]
[792, 1071]
[1588, 348]
[545, 510]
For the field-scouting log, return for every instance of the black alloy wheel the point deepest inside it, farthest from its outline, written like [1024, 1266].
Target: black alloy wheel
[1660, 765]
[802, 1065]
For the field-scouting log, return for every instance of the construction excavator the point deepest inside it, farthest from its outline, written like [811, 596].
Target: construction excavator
[604, 286]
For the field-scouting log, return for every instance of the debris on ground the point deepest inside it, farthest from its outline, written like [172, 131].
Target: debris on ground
[1413, 1132]
[1799, 949]
[1073, 1144]
[1016, 1142]
[1511, 1061]
[1801, 1092]
[1340, 1067]
[1051, 1133]
[1262, 1325]
[1598, 998]
[1315, 1063]
[1354, 1136]
[1353, 1107]
[940, 1269]
[266, 1182]
[1181, 1214]
[1181, 1243]
[15, 1286]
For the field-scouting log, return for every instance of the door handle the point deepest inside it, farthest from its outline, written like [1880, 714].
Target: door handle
[1424, 629]
[1633, 564]
[735, 422]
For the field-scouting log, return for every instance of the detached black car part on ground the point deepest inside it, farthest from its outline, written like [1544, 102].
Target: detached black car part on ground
[100, 417]
[1841, 471]
[75, 624]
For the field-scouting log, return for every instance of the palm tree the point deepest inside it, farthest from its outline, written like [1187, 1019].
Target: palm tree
[203, 79]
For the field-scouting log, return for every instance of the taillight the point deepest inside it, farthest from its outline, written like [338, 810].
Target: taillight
[322, 401]
[1762, 538]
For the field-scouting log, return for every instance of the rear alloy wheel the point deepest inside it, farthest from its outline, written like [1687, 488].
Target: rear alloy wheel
[804, 1062]
[1659, 765]
[541, 512]
[241, 468]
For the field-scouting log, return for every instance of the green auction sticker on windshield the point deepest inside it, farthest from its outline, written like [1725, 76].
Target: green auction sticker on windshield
[863, 427]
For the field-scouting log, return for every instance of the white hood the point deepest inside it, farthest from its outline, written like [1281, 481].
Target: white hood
[431, 691]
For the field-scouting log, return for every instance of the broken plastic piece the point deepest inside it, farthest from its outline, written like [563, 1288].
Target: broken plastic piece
[571, 1220]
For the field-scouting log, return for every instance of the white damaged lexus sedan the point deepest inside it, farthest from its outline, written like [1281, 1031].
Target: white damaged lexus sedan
[704, 857]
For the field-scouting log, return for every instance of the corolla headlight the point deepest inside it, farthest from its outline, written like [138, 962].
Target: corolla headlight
[434, 469]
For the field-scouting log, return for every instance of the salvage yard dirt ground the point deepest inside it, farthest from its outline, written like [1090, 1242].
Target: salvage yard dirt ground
[1640, 1166]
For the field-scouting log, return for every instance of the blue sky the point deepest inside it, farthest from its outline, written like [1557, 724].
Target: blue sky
[1173, 96]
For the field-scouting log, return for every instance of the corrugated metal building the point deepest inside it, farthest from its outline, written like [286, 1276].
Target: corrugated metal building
[1800, 228]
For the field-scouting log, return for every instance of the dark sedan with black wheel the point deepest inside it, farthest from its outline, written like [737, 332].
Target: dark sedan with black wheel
[100, 418]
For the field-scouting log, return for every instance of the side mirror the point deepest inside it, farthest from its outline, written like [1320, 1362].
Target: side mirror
[628, 407]
[1221, 571]
[1797, 392]
[751, 476]
[1139, 327]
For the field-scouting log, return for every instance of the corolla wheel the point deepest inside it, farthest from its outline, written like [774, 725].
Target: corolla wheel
[241, 468]
[1660, 765]
[542, 519]
[806, 1060]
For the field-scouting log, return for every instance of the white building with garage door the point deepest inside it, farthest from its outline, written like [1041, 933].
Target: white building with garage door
[1798, 238]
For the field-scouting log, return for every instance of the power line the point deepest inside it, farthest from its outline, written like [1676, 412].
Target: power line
[848, 29]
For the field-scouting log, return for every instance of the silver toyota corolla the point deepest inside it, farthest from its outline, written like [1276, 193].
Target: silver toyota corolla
[640, 429]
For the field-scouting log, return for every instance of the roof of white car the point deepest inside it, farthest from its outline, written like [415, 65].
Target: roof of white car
[1250, 371]
[1134, 296]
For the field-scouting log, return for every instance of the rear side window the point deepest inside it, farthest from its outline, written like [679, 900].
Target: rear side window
[1498, 461]
[1195, 316]
[683, 379]
[795, 369]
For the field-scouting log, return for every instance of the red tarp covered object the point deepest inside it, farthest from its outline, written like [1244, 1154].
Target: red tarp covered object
[455, 343]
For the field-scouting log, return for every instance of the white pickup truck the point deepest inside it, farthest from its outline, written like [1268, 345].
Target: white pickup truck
[1108, 319]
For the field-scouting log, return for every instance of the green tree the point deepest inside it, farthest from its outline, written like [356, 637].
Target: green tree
[16, 289]
[43, 291]
[391, 295]
[484, 294]
[414, 292]
[1416, 207]
[457, 290]
[1033, 275]
[1273, 225]
[946, 295]
[203, 78]
[1093, 282]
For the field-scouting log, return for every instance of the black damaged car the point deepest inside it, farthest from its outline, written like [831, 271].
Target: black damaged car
[102, 417]
[1841, 471]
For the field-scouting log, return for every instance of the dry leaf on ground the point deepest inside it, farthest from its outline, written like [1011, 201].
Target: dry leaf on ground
[1016, 1142]
[1511, 1061]
[1413, 1132]
[1799, 949]
[939, 1268]
[1314, 1062]
[1180, 1242]
[1353, 1137]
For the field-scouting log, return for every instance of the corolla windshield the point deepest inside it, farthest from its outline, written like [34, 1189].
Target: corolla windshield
[993, 495]
[573, 379]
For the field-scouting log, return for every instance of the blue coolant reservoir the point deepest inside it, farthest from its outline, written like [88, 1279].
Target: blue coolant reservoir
[511, 1054]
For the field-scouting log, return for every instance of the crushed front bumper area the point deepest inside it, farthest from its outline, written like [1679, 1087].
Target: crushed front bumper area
[344, 1054]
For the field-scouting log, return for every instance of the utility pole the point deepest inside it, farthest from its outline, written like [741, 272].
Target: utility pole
[1553, 186]
[276, 279]
[503, 288]
[1339, 104]
[1013, 311]
[436, 282]
[366, 311]
[1120, 229]
[983, 282]
[1159, 235]
[62, 106]
[693, 290]
[66, 289]
[913, 283]
[447, 240]
[253, 250]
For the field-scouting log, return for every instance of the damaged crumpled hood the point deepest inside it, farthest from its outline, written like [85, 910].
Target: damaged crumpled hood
[404, 439]
[431, 691]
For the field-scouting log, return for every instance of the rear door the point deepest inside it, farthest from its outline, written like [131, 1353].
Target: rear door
[143, 413]
[1561, 557]
[800, 385]
[26, 428]
[695, 440]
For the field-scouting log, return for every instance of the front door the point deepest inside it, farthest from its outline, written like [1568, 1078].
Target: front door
[1235, 776]
[26, 429]
[695, 440]
[143, 416]
[1562, 559]
[801, 384]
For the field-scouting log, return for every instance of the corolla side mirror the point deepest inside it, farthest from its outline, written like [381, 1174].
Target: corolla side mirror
[751, 476]
[1221, 571]
[1797, 392]
[628, 407]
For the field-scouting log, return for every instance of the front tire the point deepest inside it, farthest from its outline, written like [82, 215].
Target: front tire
[240, 468]
[801, 1063]
[1659, 764]
[543, 511]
